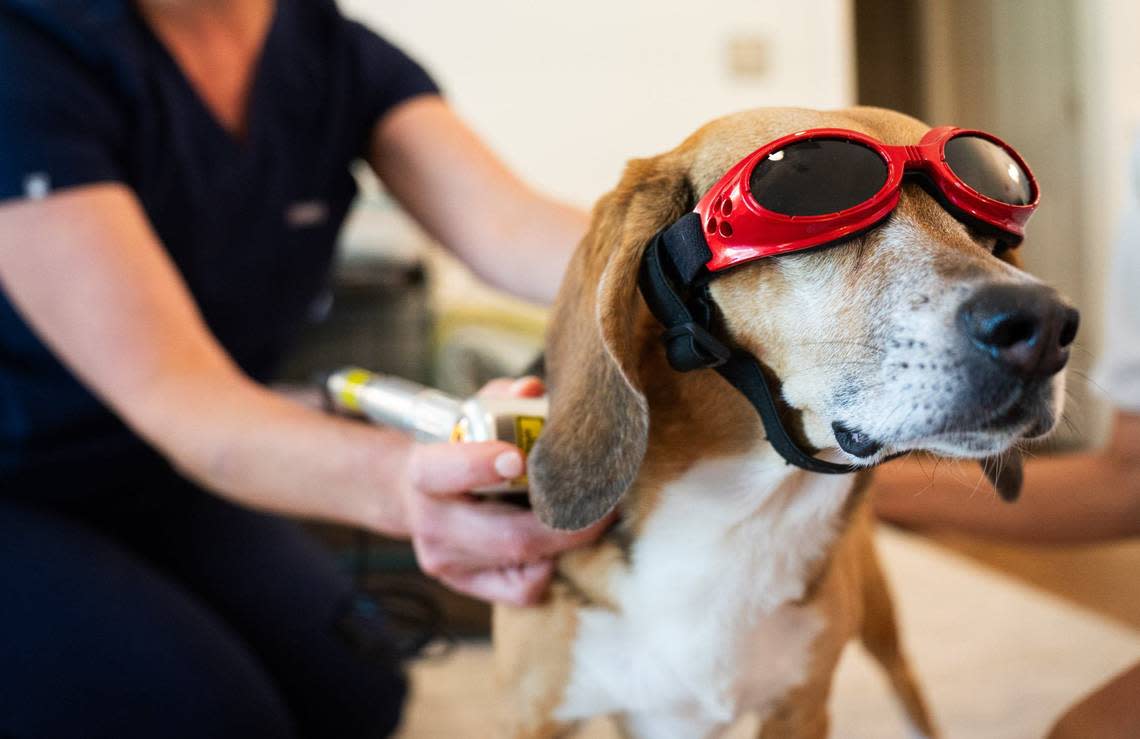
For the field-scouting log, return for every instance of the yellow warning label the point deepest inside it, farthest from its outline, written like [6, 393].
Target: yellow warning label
[527, 429]
[349, 393]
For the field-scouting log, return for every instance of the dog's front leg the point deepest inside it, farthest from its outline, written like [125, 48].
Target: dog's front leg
[802, 717]
[532, 664]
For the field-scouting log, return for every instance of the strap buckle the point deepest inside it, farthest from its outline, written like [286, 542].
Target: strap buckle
[690, 346]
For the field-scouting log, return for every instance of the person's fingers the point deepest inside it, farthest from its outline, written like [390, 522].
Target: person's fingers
[458, 535]
[451, 469]
[455, 535]
[520, 585]
[564, 540]
[528, 387]
[484, 549]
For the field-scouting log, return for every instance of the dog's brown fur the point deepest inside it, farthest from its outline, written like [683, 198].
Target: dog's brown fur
[623, 425]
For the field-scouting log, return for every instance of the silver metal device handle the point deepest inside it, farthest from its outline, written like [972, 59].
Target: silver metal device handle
[396, 402]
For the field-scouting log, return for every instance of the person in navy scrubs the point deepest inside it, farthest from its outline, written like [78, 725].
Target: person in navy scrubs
[173, 175]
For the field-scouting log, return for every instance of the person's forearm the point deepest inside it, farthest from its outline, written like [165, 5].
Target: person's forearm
[453, 185]
[1068, 499]
[534, 248]
[263, 450]
[1065, 499]
[129, 329]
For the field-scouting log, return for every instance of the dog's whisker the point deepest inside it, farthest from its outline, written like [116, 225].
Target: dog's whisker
[1078, 346]
[977, 486]
[1027, 450]
[1070, 424]
[1090, 383]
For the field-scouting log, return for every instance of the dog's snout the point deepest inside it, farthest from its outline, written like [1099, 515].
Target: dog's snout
[1028, 329]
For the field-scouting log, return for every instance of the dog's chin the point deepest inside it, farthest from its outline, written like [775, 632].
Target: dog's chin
[993, 437]
[957, 444]
[965, 444]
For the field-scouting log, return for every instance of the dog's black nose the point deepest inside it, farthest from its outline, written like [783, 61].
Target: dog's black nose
[1027, 328]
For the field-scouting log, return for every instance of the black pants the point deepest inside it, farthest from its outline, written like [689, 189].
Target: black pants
[163, 611]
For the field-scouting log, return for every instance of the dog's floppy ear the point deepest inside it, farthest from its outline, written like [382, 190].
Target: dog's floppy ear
[598, 426]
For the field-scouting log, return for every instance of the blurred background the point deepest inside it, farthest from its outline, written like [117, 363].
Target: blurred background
[567, 92]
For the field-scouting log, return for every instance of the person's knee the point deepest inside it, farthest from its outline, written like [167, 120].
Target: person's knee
[382, 715]
[395, 697]
[98, 644]
[365, 703]
[146, 689]
[222, 696]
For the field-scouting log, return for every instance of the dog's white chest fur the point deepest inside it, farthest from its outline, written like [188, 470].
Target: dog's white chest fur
[706, 627]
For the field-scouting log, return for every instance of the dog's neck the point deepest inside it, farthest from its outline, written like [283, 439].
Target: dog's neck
[701, 428]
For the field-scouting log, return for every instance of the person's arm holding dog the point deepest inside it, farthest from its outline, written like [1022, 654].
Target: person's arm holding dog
[1067, 499]
[131, 330]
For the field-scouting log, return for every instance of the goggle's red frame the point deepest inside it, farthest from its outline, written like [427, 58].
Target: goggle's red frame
[738, 229]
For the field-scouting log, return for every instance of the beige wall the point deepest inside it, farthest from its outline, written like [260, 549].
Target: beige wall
[568, 91]
[1061, 80]
[1107, 103]
[1109, 68]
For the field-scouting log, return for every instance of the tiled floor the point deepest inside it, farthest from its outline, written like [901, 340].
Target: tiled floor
[999, 659]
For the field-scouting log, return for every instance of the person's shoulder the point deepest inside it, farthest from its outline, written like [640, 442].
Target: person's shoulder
[93, 43]
[312, 9]
[315, 19]
[322, 23]
[91, 31]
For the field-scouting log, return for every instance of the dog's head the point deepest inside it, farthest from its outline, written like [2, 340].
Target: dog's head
[920, 334]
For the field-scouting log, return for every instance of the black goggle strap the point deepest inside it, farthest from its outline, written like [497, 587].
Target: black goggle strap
[676, 256]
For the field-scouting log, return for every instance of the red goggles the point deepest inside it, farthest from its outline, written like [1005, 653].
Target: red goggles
[825, 185]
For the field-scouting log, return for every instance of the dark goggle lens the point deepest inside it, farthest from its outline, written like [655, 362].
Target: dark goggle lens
[988, 169]
[817, 177]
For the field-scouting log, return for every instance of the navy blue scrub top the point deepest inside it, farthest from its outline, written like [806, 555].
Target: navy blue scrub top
[87, 95]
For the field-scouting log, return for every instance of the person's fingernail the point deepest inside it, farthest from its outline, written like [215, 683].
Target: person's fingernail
[509, 465]
[521, 384]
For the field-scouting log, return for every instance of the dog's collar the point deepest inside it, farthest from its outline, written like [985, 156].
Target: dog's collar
[673, 267]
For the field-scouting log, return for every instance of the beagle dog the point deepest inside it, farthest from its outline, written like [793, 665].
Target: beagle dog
[732, 580]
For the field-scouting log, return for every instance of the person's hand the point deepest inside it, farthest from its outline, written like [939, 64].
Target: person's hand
[483, 548]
